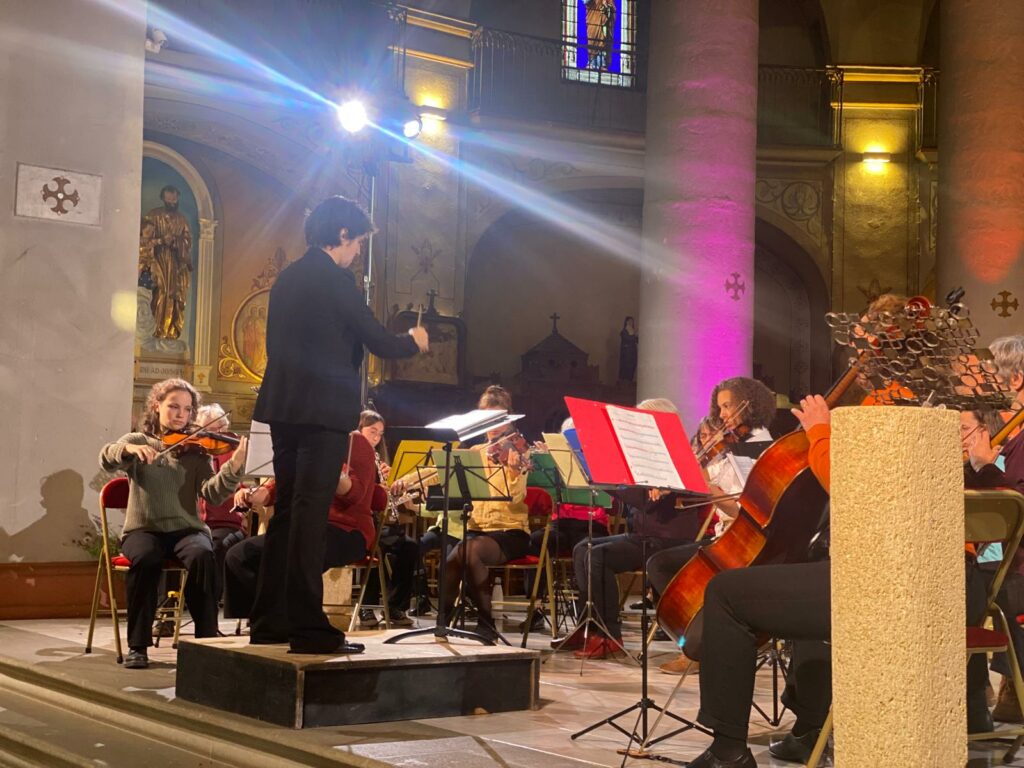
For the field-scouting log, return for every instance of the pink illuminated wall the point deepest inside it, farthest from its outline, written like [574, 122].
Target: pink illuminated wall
[697, 289]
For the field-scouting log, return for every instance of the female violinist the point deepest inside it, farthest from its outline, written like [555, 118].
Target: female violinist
[744, 407]
[161, 522]
[497, 531]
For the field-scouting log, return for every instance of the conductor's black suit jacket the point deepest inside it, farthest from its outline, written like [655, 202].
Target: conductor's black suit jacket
[317, 326]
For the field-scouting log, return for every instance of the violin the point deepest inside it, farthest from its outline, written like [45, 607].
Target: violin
[723, 439]
[499, 451]
[199, 441]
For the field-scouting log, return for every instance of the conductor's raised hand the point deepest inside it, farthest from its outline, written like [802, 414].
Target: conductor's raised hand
[419, 335]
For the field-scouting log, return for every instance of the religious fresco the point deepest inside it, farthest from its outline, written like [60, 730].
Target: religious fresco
[249, 332]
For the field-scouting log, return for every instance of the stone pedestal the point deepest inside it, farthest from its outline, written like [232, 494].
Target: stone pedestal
[697, 285]
[981, 161]
[898, 605]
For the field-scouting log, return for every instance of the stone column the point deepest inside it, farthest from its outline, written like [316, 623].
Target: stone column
[898, 605]
[204, 346]
[71, 90]
[981, 161]
[697, 285]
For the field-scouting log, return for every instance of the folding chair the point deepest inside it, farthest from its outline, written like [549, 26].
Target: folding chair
[990, 516]
[376, 560]
[114, 495]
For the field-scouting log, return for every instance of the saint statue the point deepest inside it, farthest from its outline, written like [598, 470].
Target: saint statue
[629, 343]
[165, 263]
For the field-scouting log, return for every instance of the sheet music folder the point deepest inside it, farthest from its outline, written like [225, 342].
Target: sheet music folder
[628, 447]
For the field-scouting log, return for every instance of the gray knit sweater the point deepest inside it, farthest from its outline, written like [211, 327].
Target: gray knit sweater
[164, 496]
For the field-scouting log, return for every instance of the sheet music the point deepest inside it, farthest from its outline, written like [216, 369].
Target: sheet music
[566, 462]
[474, 423]
[643, 446]
[259, 461]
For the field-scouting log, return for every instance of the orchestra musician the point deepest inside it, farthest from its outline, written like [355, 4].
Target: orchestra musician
[347, 534]
[744, 407]
[401, 550]
[162, 519]
[497, 531]
[317, 326]
[658, 526]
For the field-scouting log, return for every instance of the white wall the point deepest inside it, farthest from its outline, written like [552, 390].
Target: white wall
[71, 89]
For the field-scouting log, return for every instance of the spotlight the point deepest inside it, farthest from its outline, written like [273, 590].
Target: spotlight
[352, 116]
[412, 127]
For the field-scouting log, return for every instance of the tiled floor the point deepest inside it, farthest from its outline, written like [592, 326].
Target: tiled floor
[573, 695]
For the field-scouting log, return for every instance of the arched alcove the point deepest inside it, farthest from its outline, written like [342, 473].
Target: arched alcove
[791, 340]
[523, 268]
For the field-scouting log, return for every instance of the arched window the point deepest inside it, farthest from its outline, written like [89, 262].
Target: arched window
[599, 41]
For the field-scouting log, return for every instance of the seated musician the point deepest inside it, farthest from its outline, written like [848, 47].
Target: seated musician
[793, 600]
[349, 534]
[162, 520]
[226, 521]
[1008, 353]
[656, 527]
[497, 531]
[745, 407]
[401, 551]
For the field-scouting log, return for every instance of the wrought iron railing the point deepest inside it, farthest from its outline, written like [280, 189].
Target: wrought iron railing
[535, 78]
[532, 78]
[799, 106]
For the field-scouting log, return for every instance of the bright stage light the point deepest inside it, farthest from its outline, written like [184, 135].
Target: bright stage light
[411, 129]
[352, 116]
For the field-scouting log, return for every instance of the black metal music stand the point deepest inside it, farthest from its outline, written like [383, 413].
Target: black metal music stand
[452, 467]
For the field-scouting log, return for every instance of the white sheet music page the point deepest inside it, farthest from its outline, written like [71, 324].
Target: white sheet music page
[644, 448]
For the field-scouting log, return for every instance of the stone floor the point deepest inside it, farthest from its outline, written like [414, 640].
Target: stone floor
[573, 695]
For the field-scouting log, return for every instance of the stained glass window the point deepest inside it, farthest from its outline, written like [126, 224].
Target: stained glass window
[599, 41]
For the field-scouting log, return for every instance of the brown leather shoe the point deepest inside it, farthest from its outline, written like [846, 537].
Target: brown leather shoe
[678, 666]
[1007, 709]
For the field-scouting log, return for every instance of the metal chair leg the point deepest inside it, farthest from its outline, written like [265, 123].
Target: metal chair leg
[95, 604]
[178, 608]
[822, 742]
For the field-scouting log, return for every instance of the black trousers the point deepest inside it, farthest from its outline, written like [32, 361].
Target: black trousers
[223, 540]
[147, 551]
[612, 555]
[242, 566]
[664, 565]
[289, 593]
[403, 554]
[791, 602]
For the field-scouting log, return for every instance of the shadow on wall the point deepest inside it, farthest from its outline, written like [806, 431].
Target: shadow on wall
[64, 522]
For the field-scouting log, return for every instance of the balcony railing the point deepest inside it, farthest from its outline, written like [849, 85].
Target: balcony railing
[533, 78]
[530, 78]
[799, 106]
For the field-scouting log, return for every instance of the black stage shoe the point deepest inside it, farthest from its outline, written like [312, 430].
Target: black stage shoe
[331, 648]
[136, 659]
[795, 749]
[708, 760]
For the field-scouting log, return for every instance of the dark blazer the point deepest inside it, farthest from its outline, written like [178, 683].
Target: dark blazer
[317, 325]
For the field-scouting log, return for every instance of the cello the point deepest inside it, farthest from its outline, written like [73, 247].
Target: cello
[781, 507]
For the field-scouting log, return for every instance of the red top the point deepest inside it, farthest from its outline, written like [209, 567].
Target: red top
[352, 512]
[220, 515]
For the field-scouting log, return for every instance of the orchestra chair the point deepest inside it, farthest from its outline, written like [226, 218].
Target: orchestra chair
[990, 516]
[540, 505]
[114, 495]
[374, 560]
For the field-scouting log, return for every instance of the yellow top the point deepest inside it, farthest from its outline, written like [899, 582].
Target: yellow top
[502, 515]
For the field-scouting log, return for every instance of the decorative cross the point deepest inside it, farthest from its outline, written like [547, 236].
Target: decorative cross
[431, 295]
[1007, 306]
[554, 321]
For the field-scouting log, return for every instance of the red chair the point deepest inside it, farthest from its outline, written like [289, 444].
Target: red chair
[114, 495]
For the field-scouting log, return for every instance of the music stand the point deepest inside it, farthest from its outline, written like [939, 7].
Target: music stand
[637, 451]
[448, 432]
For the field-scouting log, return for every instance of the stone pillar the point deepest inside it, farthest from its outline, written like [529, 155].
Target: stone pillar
[981, 161]
[898, 605]
[204, 346]
[697, 286]
[71, 90]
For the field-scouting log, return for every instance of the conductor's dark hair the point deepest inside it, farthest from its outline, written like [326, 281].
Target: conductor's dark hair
[334, 214]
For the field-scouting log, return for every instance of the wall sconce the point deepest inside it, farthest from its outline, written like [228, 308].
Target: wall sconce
[433, 113]
[876, 158]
